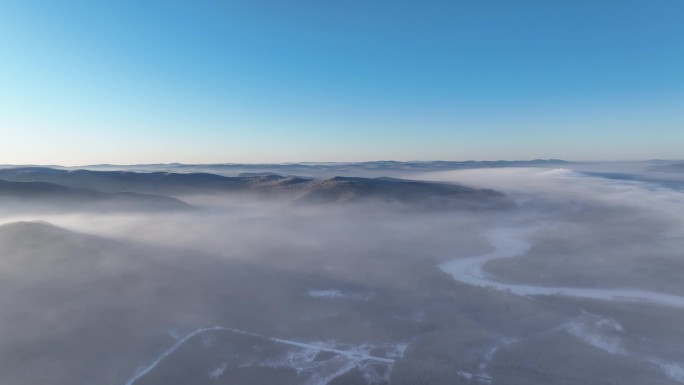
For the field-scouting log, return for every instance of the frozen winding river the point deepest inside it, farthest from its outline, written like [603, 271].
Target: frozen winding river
[511, 242]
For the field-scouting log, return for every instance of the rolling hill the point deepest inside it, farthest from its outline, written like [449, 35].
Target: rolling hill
[300, 190]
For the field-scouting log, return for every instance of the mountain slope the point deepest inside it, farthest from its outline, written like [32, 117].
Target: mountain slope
[81, 309]
[673, 167]
[301, 190]
[422, 194]
[51, 196]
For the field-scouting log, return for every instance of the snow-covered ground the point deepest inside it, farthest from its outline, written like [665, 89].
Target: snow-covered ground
[604, 334]
[148, 368]
[338, 294]
[510, 242]
[301, 359]
[328, 293]
[600, 333]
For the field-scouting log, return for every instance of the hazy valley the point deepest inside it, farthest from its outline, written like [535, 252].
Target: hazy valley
[506, 275]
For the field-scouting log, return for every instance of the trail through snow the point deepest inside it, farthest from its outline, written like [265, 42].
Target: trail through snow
[352, 355]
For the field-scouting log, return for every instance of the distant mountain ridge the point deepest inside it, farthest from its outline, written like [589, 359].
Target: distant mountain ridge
[340, 189]
[40, 194]
[672, 167]
[318, 169]
[301, 190]
[332, 168]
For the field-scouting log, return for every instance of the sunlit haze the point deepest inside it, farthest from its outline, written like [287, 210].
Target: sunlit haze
[342, 192]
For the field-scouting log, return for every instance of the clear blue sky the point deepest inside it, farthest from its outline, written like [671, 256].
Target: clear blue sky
[141, 81]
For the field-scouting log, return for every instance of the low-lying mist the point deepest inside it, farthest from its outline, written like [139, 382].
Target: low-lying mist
[574, 280]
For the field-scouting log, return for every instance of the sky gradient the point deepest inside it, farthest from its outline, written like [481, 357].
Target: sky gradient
[86, 82]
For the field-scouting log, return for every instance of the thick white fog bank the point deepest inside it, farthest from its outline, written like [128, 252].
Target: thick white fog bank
[369, 293]
[268, 232]
[566, 188]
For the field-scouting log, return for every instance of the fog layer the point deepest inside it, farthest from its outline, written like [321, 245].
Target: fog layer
[265, 288]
